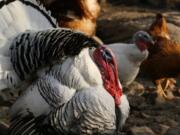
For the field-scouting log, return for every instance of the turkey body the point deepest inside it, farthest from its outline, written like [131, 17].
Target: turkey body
[66, 77]
[58, 87]
[86, 113]
[70, 70]
[72, 100]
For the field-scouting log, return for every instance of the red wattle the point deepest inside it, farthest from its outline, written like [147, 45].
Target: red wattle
[109, 72]
[141, 45]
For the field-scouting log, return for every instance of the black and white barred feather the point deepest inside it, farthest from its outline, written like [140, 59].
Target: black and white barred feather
[43, 96]
[87, 113]
[30, 125]
[13, 13]
[31, 50]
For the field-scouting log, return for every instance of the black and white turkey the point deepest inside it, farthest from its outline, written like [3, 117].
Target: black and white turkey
[77, 93]
[66, 69]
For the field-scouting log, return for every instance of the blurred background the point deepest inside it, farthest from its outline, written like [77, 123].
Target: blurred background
[119, 19]
[166, 4]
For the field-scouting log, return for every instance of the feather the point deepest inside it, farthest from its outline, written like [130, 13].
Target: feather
[86, 113]
[129, 59]
[84, 108]
[14, 13]
[31, 125]
[31, 50]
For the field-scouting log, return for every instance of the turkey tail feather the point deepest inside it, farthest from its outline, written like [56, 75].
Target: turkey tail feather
[30, 125]
[31, 50]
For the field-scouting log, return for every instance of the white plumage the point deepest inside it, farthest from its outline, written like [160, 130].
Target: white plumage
[18, 16]
[129, 59]
[86, 113]
[129, 56]
[73, 74]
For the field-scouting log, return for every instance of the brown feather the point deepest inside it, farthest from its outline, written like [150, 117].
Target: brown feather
[159, 27]
[78, 14]
[163, 61]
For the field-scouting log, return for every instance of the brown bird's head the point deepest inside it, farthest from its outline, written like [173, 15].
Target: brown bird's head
[105, 60]
[78, 15]
[143, 40]
[159, 27]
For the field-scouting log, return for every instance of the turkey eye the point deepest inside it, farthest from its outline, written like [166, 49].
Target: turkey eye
[106, 55]
[145, 37]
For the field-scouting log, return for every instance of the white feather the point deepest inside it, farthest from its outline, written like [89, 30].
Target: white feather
[91, 104]
[90, 110]
[129, 58]
[125, 108]
[79, 72]
[15, 18]
[74, 73]
[32, 100]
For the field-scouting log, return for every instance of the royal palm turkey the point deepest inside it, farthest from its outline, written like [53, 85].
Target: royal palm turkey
[66, 97]
[60, 73]
[61, 84]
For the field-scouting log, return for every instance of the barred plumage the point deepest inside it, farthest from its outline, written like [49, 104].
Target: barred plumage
[41, 97]
[72, 98]
[88, 112]
[14, 13]
[58, 85]
[30, 125]
[31, 50]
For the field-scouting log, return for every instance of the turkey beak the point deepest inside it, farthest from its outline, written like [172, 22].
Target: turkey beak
[152, 42]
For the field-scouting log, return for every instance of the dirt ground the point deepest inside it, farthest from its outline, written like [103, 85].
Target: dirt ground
[118, 23]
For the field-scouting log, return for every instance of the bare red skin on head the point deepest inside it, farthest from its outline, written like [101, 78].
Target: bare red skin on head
[109, 72]
[142, 45]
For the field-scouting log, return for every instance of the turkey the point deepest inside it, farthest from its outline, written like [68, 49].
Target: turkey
[17, 16]
[130, 56]
[75, 88]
